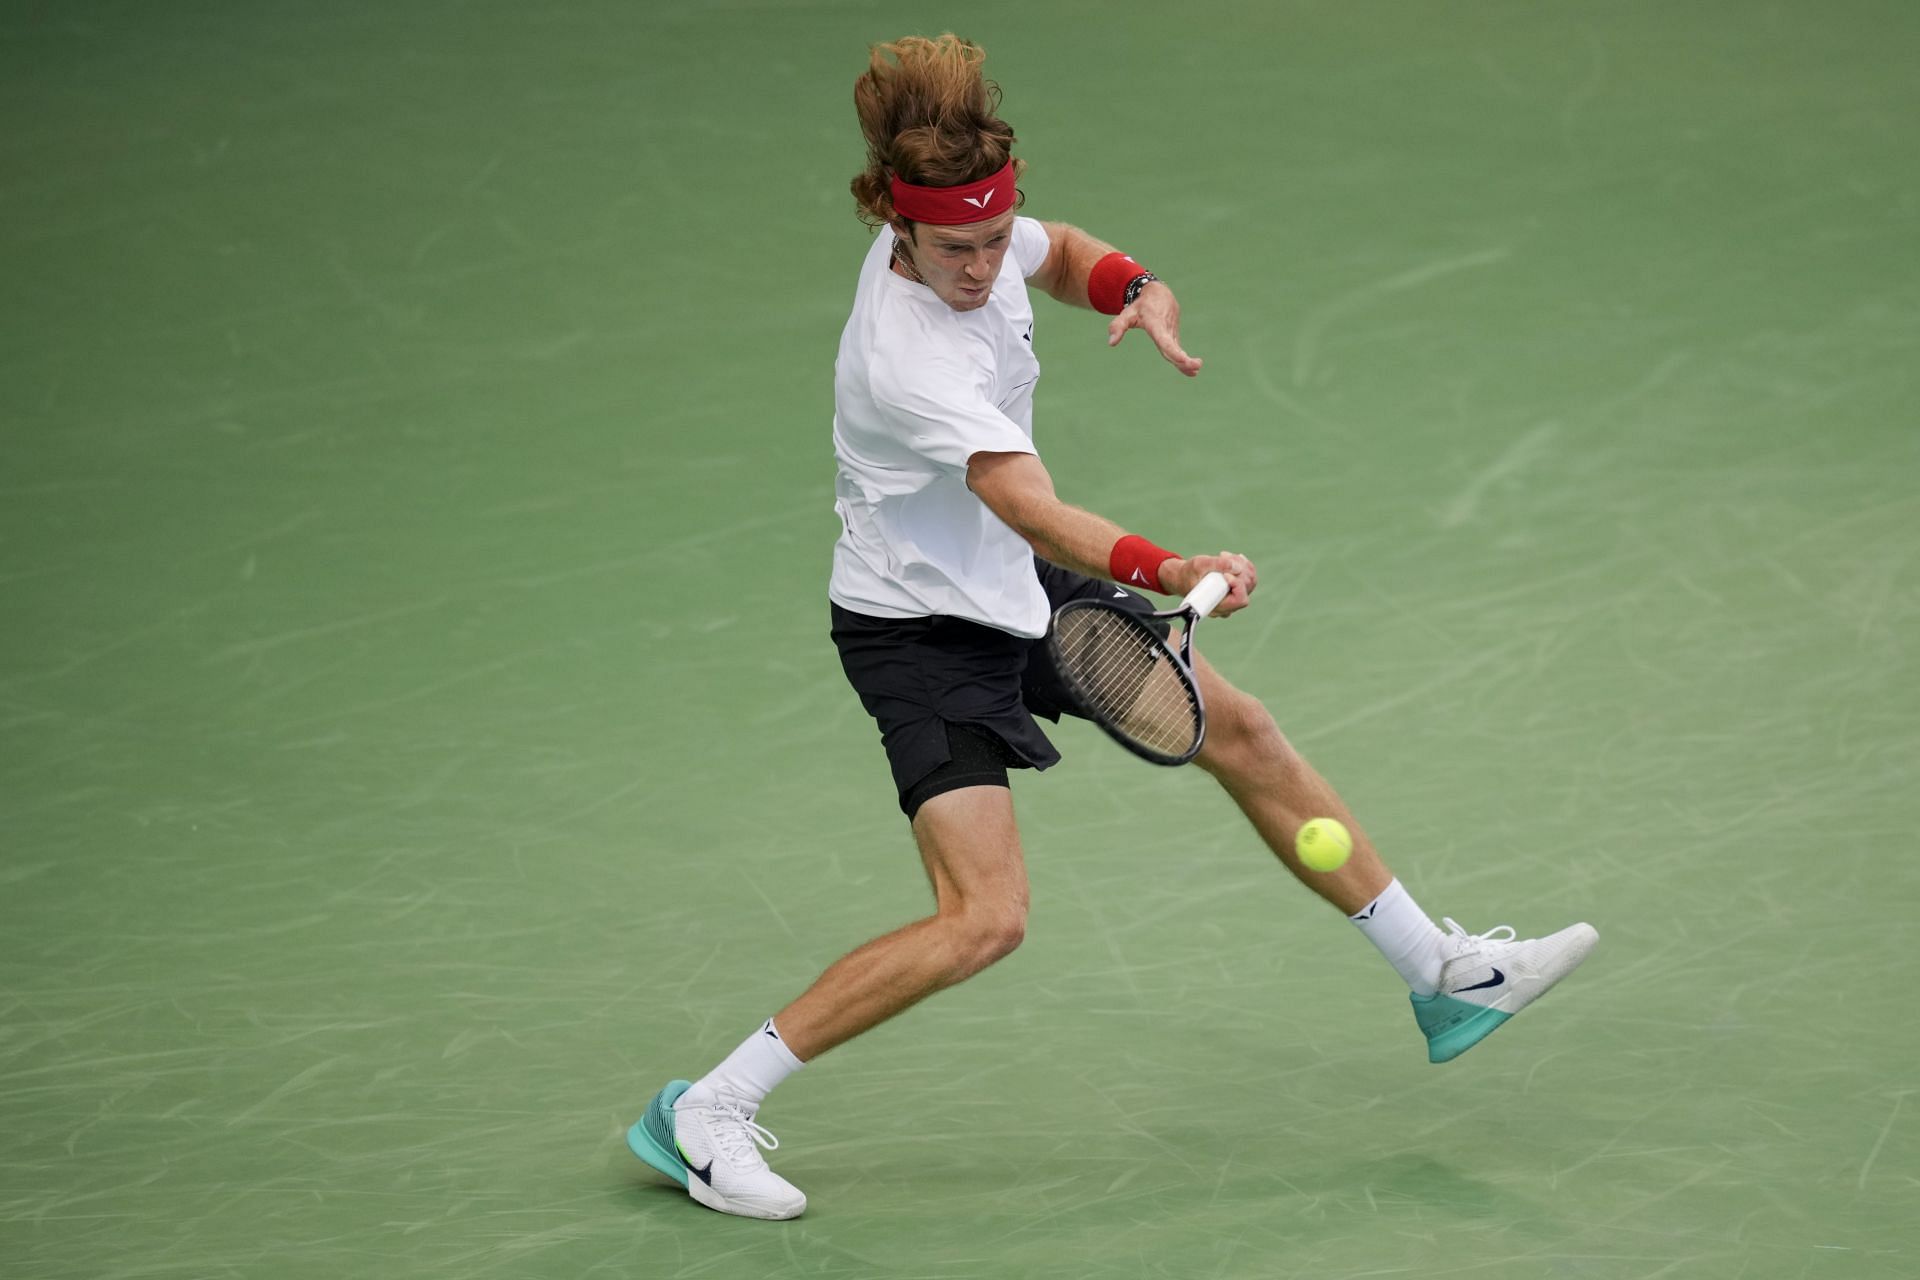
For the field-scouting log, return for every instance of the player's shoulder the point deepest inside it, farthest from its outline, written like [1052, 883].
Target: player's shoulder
[1027, 227]
[1031, 243]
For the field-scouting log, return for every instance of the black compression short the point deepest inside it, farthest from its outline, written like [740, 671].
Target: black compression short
[919, 677]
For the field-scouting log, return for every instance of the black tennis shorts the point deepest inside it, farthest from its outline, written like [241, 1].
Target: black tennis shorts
[955, 700]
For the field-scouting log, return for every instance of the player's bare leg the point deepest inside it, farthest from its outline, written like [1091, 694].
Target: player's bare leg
[1464, 986]
[971, 848]
[703, 1134]
[1278, 791]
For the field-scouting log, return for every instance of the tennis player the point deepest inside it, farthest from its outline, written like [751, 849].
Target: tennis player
[954, 552]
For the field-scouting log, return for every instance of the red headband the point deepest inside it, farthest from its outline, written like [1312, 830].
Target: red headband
[956, 206]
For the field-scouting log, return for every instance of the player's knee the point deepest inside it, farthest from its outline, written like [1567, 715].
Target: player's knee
[1005, 936]
[1241, 730]
[990, 934]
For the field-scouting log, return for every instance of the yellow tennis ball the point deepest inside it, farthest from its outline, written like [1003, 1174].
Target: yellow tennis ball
[1323, 844]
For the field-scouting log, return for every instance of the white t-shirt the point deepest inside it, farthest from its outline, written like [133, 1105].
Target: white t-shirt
[918, 388]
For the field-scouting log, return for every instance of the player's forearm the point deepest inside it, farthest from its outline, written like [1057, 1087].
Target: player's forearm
[1072, 537]
[1018, 489]
[1085, 271]
[1078, 253]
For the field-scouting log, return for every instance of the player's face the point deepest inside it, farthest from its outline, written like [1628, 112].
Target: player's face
[960, 264]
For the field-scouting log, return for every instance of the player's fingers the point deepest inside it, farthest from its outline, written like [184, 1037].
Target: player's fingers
[1169, 343]
[1240, 570]
[1118, 329]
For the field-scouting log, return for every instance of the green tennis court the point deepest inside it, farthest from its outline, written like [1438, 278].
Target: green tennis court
[419, 737]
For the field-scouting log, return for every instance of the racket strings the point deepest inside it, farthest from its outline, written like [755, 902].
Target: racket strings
[1127, 679]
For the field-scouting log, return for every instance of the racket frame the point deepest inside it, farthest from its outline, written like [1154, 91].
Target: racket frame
[1197, 604]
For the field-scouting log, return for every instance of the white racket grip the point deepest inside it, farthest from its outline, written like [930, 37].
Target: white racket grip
[1212, 590]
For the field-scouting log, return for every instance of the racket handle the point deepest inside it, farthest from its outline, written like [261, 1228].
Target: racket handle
[1212, 590]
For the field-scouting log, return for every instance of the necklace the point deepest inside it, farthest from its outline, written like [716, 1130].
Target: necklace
[899, 256]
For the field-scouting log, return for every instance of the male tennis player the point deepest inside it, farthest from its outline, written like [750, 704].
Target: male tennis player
[954, 553]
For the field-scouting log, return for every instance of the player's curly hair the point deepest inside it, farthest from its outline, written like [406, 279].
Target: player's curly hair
[930, 117]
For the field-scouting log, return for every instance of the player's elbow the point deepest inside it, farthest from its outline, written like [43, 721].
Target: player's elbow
[1017, 488]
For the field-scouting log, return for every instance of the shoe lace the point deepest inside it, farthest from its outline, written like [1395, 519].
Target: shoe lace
[1464, 942]
[736, 1134]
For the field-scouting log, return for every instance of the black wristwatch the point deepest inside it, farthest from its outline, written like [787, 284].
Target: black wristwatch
[1135, 285]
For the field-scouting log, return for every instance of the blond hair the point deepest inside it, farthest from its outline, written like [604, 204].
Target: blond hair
[929, 117]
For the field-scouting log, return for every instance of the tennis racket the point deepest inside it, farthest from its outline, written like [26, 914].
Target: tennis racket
[1128, 680]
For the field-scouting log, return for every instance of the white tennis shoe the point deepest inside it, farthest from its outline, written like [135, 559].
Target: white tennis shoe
[710, 1143]
[1490, 977]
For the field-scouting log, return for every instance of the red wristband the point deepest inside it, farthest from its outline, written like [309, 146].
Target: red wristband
[1107, 282]
[1136, 562]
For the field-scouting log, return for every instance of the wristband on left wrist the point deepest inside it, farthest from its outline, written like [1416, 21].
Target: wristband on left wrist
[1115, 281]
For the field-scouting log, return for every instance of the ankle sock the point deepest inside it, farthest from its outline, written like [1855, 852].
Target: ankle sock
[1410, 941]
[749, 1073]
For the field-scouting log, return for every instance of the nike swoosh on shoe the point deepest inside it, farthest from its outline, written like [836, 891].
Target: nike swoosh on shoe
[1497, 978]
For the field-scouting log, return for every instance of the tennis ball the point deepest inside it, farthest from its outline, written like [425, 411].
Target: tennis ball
[1323, 844]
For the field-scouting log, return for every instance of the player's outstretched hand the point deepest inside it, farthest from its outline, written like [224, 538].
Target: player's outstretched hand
[1157, 311]
[1182, 576]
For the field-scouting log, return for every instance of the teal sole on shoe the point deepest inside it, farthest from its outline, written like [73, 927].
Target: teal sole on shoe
[1454, 1026]
[651, 1137]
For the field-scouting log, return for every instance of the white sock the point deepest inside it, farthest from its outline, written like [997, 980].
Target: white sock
[1412, 944]
[749, 1073]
